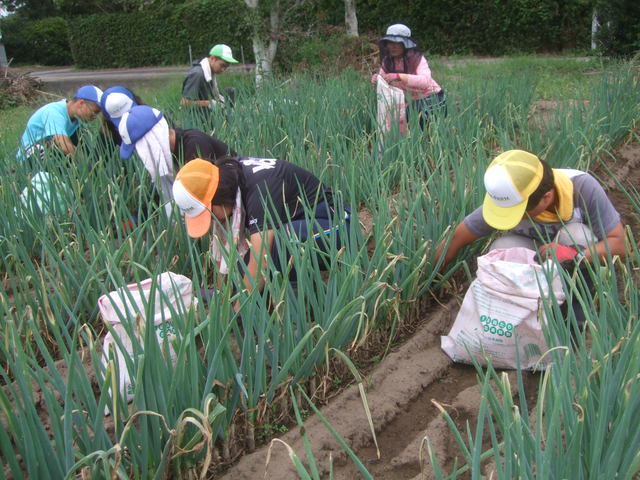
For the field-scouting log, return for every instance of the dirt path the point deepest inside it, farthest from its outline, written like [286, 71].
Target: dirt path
[404, 384]
[400, 394]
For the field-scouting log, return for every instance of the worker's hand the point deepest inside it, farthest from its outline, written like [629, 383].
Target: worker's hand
[562, 253]
[374, 78]
[392, 78]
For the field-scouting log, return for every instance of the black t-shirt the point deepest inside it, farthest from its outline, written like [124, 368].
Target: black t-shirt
[192, 144]
[285, 183]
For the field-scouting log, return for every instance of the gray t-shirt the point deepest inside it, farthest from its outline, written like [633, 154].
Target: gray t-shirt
[591, 206]
[196, 87]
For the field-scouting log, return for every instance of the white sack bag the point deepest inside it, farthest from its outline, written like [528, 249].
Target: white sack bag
[173, 294]
[502, 304]
[391, 107]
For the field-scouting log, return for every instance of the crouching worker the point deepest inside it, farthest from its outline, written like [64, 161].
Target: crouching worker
[200, 88]
[256, 196]
[164, 150]
[116, 101]
[55, 124]
[563, 214]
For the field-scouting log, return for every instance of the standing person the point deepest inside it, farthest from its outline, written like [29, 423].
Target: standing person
[164, 150]
[200, 88]
[564, 214]
[55, 124]
[255, 196]
[402, 65]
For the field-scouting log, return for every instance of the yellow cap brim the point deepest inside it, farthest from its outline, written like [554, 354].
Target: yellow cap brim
[502, 218]
[198, 226]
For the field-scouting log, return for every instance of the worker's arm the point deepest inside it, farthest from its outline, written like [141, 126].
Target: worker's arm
[260, 249]
[615, 242]
[199, 103]
[260, 244]
[462, 237]
[64, 143]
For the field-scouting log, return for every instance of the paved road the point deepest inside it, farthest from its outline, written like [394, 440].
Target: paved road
[67, 79]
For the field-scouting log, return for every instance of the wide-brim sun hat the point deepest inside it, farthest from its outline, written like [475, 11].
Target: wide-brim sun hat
[193, 190]
[116, 101]
[509, 180]
[134, 125]
[399, 33]
[224, 52]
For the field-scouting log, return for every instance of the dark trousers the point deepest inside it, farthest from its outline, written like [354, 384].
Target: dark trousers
[425, 108]
[325, 225]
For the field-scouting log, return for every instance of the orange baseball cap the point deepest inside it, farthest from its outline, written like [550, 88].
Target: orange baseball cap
[193, 191]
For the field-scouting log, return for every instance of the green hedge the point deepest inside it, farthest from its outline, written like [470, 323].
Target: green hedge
[44, 42]
[491, 27]
[160, 37]
[163, 36]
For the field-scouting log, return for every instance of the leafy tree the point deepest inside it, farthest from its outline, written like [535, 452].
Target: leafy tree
[266, 20]
[619, 31]
[31, 9]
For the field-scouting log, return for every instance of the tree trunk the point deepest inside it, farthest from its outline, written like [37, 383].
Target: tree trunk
[350, 18]
[265, 40]
[595, 24]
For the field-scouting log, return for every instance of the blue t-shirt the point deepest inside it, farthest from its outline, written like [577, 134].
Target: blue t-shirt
[49, 120]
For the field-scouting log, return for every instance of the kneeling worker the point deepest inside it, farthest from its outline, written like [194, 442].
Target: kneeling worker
[256, 195]
[55, 124]
[564, 214]
[164, 150]
[200, 88]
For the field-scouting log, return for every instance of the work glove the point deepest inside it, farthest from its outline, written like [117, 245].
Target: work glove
[562, 253]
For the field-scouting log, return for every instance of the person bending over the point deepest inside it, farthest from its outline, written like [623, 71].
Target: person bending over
[200, 88]
[116, 101]
[252, 197]
[55, 124]
[164, 150]
[563, 214]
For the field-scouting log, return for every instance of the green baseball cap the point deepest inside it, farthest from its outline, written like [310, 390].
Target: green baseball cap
[224, 52]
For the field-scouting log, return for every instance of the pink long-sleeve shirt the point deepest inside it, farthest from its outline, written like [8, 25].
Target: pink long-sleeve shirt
[418, 85]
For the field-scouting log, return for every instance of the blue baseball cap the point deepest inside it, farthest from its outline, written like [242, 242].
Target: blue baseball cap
[115, 102]
[89, 92]
[134, 125]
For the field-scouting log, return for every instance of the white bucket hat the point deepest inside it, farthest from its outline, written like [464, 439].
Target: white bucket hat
[399, 33]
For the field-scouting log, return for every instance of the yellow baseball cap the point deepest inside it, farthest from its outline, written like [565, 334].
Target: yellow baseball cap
[193, 190]
[509, 180]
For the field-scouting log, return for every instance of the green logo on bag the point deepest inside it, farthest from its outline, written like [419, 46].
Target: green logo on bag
[496, 327]
[164, 329]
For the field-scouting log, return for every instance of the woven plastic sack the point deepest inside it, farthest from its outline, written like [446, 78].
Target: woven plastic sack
[172, 294]
[505, 303]
[391, 107]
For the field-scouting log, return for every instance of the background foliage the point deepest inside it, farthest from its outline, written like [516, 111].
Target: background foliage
[159, 37]
[44, 42]
[493, 27]
[136, 33]
[619, 34]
